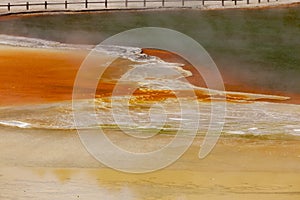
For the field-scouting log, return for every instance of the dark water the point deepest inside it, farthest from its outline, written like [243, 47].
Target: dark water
[261, 47]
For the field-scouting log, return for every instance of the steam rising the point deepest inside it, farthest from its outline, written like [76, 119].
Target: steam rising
[259, 48]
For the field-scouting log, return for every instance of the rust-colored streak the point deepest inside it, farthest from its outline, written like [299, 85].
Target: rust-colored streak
[231, 83]
[30, 76]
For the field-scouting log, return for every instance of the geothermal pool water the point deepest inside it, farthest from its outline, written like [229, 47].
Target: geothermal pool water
[258, 154]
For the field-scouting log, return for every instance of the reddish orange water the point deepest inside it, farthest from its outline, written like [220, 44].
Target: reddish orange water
[231, 83]
[30, 76]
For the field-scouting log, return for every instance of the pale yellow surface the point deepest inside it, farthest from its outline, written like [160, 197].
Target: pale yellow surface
[54, 165]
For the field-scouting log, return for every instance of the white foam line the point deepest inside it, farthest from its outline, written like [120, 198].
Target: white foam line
[178, 119]
[15, 123]
[236, 132]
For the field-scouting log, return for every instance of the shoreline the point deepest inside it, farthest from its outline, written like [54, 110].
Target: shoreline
[208, 7]
[62, 169]
[231, 153]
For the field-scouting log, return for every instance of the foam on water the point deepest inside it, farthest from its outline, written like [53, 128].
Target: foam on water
[19, 41]
[149, 72]
[15, 123]
[131, 53]
[152, 73]
[257, 119]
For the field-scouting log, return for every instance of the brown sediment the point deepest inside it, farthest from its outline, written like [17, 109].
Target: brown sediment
[30, 76]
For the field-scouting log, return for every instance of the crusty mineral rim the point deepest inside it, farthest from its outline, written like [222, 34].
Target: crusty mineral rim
[23, 7]
[159, 38]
